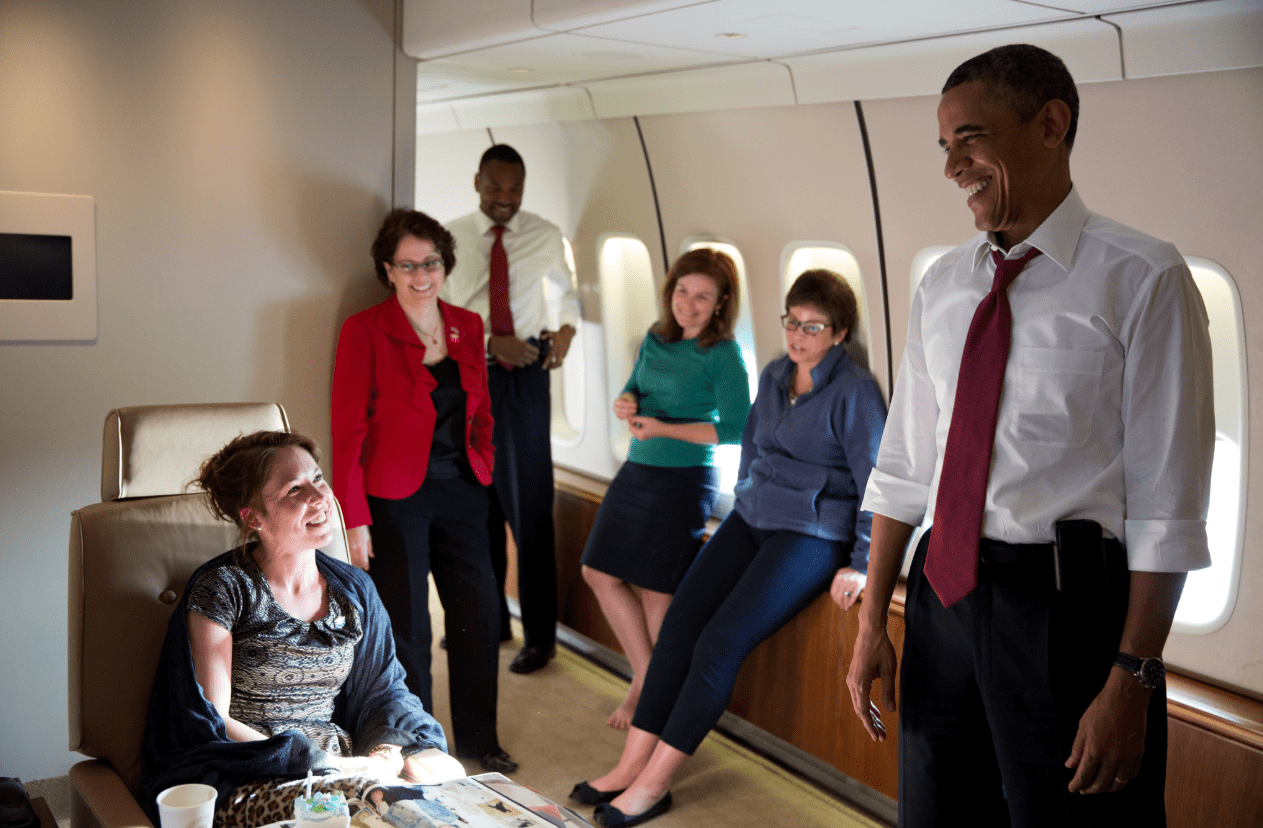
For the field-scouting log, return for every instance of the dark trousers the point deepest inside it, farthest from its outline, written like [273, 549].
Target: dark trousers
[745, 585]
[522, 494]
[442, 529]
[992, 690]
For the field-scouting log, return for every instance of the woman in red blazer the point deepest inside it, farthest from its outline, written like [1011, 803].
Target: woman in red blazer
[412, 455]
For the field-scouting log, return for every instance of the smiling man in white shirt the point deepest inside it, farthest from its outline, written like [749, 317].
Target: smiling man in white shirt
[1031, 686]
[529, 324]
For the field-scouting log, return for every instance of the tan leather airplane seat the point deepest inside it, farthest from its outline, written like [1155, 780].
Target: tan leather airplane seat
[130, 557]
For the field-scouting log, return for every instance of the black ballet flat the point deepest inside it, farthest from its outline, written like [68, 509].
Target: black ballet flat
[585, 794]
[609, 816]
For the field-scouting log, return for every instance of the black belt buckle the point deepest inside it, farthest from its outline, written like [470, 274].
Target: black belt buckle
[1078, 555]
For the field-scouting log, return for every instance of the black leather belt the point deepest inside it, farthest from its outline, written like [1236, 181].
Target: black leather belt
[999, 552]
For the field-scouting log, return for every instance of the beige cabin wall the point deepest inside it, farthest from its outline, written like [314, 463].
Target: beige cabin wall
[241, 157]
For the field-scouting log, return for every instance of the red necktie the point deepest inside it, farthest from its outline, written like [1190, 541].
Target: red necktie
[498, 290]
[951, 562]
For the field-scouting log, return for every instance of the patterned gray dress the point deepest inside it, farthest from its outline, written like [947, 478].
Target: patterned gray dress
[285, 672]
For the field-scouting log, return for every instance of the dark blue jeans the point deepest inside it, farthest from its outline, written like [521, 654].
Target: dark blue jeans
[744, 586]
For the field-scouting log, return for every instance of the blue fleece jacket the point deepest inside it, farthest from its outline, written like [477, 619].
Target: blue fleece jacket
[804, 466]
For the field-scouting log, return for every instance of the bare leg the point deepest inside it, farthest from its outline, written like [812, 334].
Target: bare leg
[653, 782]
[626, 616]
[655, 604]
[637, 750]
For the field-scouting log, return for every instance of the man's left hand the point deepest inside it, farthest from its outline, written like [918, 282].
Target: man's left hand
[1110, 742]
[560, 346]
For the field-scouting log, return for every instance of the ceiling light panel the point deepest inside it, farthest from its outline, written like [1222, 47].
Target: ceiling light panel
[566, 15]
[790, 27]
[433, 28]
[567, 58]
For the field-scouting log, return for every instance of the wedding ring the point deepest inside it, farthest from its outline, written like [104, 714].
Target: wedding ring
[847, 593]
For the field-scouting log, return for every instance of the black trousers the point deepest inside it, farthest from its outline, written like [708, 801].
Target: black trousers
[992, 689]
[522, 494]
[442, 529]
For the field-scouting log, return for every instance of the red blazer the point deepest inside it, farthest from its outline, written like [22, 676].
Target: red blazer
[383, 416]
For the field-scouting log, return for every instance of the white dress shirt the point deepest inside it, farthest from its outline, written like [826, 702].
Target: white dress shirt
[542, 293]
[1107, 410]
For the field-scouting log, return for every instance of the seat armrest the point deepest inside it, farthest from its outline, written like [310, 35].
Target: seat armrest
[100, 799]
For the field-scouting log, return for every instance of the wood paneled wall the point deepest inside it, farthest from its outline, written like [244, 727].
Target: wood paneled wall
[794, 687]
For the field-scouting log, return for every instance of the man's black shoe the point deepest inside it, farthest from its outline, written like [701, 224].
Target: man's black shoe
[497, 761]
[530, 659]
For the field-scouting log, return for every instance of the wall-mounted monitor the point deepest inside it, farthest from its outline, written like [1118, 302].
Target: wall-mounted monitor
[47, 267]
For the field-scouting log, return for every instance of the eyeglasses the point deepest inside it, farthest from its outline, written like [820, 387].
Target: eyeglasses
[789, 323]
[409, 268]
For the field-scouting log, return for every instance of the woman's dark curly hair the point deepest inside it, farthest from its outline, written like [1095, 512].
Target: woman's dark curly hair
[400, 223]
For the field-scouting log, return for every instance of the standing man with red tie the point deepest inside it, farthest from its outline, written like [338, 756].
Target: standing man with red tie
[511, 268]
[1054, 404]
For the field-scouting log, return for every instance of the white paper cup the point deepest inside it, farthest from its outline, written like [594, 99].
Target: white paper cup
[187, 806]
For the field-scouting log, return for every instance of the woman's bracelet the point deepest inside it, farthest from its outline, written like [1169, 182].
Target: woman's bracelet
[385, 750]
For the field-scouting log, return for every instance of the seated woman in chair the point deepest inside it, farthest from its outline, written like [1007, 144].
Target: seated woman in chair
[796, 528]
[279, 660]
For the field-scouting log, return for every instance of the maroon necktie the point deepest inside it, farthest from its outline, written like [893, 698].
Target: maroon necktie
[951, 562]
[498, 290]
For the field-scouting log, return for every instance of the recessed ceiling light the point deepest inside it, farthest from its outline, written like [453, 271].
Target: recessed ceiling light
[520, 70]
[731, 35]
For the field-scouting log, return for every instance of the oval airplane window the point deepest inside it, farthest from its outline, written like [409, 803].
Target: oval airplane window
[801, 256]
[566, 386]
[728, 457]
[1209, 594]
[629, 306]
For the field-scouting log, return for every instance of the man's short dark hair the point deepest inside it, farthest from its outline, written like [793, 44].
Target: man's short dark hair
[1024, 78]
[501, 152]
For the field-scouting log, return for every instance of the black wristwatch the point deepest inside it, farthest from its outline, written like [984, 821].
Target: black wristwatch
[1150, 672]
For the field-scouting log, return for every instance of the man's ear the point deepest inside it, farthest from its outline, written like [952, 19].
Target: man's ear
[478, 182]
[1054, 118]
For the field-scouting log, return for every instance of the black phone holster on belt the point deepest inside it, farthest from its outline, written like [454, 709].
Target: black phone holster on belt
[1079, 556]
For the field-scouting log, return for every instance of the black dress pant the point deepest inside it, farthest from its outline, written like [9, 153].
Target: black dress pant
[992, 690]
[522, 494]
[442, 529]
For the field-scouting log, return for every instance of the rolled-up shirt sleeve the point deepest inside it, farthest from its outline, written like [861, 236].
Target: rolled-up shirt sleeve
[1168, 426]
[899, 485]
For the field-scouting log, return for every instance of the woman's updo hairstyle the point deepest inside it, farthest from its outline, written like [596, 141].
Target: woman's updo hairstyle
[235, 475]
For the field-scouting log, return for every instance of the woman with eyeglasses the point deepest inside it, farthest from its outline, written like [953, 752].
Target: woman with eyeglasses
[795, 531]
[688, 392]
[412, 455]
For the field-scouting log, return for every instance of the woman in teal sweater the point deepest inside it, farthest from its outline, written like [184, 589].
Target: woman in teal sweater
[688, 392]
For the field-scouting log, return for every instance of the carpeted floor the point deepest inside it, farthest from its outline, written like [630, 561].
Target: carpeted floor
[553, 723]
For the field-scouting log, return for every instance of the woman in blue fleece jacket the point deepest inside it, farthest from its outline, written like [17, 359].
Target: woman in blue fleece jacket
[810, 442]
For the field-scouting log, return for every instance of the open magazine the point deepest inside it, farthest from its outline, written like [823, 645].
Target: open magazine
[489, 800]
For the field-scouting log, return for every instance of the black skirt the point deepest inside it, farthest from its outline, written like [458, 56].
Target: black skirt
[650, 524]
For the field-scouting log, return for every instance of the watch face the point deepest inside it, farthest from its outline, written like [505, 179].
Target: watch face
[1152, 673]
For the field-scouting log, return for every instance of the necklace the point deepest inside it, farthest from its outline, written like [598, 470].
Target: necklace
[431, 337]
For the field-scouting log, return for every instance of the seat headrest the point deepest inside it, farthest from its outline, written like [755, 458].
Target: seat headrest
[156, 450]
